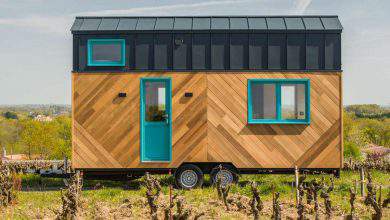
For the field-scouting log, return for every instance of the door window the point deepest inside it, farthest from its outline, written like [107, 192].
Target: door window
[155, 101]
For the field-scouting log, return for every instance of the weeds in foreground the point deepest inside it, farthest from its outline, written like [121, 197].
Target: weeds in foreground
[325, 194]
[276, 208]
[153, 191]
[7, 190]
[371, 198]
[71, 198]
[256, 203]
[240, 200]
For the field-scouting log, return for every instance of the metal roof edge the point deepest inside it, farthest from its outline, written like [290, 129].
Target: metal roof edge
[209, 16]
[80, 20]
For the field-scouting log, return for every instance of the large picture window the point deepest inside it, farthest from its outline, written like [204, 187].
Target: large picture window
[106, 52]
[278, 101]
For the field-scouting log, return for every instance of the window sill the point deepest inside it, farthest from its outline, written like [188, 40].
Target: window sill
[106, 64]
[293, 122]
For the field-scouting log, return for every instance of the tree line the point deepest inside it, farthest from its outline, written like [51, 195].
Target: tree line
[364, 125]
[37, 139]
[21, 134]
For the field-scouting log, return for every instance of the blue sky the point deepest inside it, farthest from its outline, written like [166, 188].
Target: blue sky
[36, 46]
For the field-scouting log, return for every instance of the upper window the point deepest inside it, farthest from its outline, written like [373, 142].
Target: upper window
[106, 52]
[278, 101]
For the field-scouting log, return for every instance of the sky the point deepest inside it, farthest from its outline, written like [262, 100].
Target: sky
[36, 43]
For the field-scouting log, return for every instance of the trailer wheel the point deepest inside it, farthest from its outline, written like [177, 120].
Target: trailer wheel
[226, 173]
[188, 176]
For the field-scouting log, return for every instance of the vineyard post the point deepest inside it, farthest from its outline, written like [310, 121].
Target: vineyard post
[297, 184]
[362, 181]
[170, 197]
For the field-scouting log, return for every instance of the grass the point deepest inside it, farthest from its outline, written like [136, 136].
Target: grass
[39, 196]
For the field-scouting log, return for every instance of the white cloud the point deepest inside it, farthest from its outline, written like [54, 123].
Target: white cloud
[300, 6]
[57, 25]
[161, 10]
[61, 24]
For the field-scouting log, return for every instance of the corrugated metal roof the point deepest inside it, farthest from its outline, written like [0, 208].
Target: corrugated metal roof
[164, 24]
[205, 23]
[146, 24]
[276, 23]
[313, 24]
[294, 23]
[108, 24]
[127, 24]
[182, 24]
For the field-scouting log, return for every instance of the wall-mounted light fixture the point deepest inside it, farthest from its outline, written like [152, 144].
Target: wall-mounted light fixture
[122, 94]
[179, 41]
[188, 94]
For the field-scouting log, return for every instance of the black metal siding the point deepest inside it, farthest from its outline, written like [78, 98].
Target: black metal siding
[144, 52]
[220, 51]
[296, 51]
[258, 47]
[201, 51]
[276, 51]
[182, 52]
[332, 51]
[163, 51]
[239, 51]
[314, 51]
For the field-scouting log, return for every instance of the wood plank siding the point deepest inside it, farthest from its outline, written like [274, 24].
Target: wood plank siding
[211, 126]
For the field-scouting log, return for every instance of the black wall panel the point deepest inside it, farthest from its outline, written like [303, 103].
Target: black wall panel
[314, 51]
[258, 46]
[219, 51]
[277, 51]
[296, 51]
[144, 52]
[238, 51]
[182, 52]
[82, 54]
[163, 51]
[201, 51]
[130, 51]
[332, 51]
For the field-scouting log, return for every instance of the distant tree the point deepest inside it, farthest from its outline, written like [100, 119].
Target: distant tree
[64, 135]
[368, 111]
[348, 124]
[10, 115]
[9, 135]
[39, 138]
[376, 131]
[351, 150]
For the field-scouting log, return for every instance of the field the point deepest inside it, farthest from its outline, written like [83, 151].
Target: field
[41, 197]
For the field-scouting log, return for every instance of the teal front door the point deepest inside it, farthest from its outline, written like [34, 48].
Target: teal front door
[156, 125]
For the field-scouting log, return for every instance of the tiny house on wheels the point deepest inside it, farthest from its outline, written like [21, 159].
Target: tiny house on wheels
[206, 95]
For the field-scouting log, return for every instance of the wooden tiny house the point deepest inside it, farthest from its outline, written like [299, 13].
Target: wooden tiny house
[254, 94]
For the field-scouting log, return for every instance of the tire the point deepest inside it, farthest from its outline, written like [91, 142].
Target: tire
[188, 176]
[227, 172]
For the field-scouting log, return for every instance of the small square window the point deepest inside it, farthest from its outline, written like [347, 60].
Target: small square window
[106, 52]
[278, 101]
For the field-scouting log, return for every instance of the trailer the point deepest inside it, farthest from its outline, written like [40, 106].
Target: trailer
[206, 95]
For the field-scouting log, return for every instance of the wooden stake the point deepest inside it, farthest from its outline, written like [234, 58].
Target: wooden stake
[362, 181]
[170, 198]
[297, 184]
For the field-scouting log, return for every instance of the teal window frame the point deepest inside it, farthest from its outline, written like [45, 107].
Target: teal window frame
[92, 42]
[278, 83]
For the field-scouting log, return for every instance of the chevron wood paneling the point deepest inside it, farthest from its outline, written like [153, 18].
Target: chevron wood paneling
[208, 127]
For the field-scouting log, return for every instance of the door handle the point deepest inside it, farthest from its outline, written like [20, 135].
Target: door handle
[166, 117]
